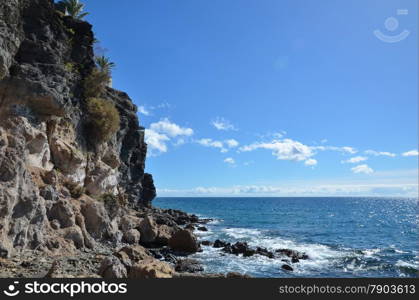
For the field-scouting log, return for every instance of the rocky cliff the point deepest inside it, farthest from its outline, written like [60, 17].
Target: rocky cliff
[59, 190]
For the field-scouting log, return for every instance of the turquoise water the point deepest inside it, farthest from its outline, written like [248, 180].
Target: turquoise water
[344, 237]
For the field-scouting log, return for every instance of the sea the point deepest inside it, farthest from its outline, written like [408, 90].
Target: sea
[344, 237]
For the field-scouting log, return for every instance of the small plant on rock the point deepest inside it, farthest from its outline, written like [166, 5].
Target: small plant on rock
[95, 84]
[72, 8]
[104, 64]
[103, 119]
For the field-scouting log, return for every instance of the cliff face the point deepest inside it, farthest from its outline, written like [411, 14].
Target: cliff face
[51, 174]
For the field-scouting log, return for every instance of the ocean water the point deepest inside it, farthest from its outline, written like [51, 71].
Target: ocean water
[344, 237]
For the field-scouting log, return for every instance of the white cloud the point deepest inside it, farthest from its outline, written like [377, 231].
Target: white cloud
[354, 160]
[411, 153]
[310, 162]
[346, 149]
[171, 129]
[212, 144]
[223, 146]
[229, 160]
[286, 149]
[336, 189]
[223, 124]
[156, 142]
[232, 143]
[362, 169]
[162, 132]
[379, 153]
[143, 110]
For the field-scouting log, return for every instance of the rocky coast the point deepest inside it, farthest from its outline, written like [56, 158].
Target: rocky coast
[75, 200]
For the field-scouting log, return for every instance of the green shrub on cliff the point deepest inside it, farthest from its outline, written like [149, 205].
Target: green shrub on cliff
[95, 84]
[103, 119]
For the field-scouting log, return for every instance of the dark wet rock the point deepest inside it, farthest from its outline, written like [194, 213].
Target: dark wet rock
[287, 268]
[292, 253]
[220, 244]
[206, 243]
[202, 228]
[204, 221]
[264, 252]
[188, 265]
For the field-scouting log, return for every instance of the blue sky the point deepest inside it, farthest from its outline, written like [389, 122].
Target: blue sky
[269, 97]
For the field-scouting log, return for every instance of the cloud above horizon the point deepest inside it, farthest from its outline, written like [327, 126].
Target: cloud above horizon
[379, 153]
[230, 160]
[222, 145]
[223, 124]
[350, 189]
[354, 160]
[160, 133]
[286, 149]
[411, 153]
[365, 169]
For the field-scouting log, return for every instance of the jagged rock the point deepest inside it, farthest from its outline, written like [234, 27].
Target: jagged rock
[55, 224]
[128, 222]
[184, 241]
[63, 212]
[48, 193]
[131, 236]
[202, 228]
[101, 179]
[188, 265]
[44, 59]
[111, 268]
[164, 233]
[220, 244]
[292, 253]
[149, 230]
[73, 234]
[151, 268]
[134, 253]
[96, 218]
[206, 243]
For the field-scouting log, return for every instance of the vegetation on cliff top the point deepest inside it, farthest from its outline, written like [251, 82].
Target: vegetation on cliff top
[72, 8]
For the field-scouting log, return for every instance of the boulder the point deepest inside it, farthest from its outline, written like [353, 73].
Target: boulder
[164, 233]
[133, 253]
[73, 234]
[97, 221]
[63, 212]
[111, 267]
[149, 230]
[287, 268]
[220, 244]
[188, 265]
[202, 228]
[206, 243]
[292, 253]
[184, 241]
[131, 236]
[151, 268]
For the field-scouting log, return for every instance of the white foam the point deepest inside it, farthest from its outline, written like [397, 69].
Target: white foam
[401, 263]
